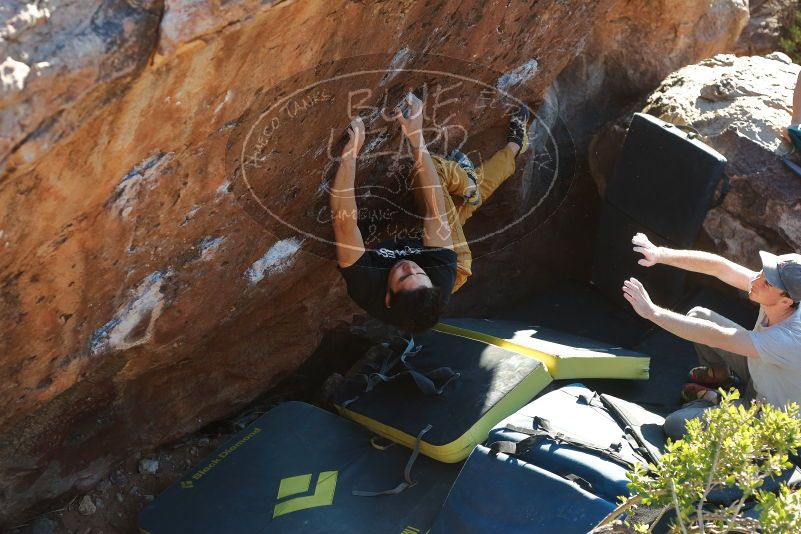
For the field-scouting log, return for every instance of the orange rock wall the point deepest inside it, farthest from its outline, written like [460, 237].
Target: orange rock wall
[140, 299]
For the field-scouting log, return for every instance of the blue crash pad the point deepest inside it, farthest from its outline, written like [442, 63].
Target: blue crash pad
[498, 494]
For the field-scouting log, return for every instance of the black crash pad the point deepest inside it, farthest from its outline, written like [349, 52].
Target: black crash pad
[663, 185]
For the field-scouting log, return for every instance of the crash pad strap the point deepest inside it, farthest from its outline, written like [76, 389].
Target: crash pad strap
[426, 381]
[636, 441]
[407, 472]
[520, 448]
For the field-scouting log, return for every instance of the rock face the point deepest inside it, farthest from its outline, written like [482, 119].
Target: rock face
[84, 53]
[768, 17]
[164, 256]
[635, 46]
[627, 52]
[740, 107]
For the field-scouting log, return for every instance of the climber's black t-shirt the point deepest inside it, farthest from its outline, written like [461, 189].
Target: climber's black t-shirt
[367, 278]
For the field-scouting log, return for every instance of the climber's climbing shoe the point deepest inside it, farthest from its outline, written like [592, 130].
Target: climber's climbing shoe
[693, 392]
[710, 377]
[518, 128]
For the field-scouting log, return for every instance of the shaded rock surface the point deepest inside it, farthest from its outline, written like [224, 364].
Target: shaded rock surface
[149, 286]
[633, 48]
[768, 18]
[740, 106]
[626, 53]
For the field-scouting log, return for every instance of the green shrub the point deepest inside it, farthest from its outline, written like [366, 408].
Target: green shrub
[790, 41]
[733, 446]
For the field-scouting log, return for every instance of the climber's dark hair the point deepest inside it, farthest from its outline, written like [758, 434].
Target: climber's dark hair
[416, 310]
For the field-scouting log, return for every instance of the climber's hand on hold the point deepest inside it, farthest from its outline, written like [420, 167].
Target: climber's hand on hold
[412, 123]
[355, 139]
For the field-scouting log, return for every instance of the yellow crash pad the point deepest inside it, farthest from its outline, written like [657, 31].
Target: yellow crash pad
[566, 356]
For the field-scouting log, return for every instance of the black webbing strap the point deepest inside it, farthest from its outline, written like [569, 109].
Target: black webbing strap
[597, 402]
[602, 403]
[407, 472]
[636, 442]
[583, 398]
[396, 367]
[580, 482]
[427, 381]
[545, 430]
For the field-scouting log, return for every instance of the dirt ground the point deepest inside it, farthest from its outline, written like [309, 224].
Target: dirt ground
[117, 500]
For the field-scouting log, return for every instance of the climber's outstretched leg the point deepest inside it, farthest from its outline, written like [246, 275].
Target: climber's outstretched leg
[455, 176]
[501, 165]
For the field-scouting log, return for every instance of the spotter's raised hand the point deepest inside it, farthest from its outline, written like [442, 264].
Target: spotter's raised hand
[634, 292]
[649, 251]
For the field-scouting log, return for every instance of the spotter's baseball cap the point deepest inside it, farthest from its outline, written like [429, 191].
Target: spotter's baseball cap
[783, 272]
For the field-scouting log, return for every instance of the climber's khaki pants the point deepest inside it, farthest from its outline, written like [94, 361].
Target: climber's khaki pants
[455, 182]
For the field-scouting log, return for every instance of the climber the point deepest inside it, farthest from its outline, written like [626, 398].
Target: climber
[766, 360]
[406, 282]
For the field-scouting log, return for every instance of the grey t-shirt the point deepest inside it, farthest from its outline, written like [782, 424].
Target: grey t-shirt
[777, 371]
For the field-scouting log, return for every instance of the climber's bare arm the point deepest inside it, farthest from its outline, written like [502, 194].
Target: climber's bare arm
[436, 230]
[344, 215]
[696, 329]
